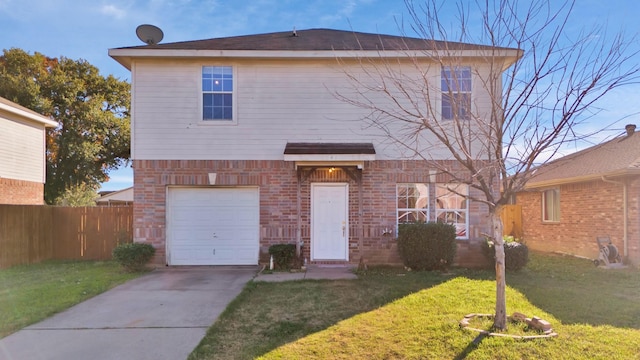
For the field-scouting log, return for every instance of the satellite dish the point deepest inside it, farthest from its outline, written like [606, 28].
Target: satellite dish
[149, 34]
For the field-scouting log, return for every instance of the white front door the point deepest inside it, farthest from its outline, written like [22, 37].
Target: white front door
[329, 221]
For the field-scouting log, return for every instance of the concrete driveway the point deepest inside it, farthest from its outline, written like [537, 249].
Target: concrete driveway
[161, 315]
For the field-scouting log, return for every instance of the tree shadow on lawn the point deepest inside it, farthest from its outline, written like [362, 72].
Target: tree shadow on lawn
[473, 345]
[575, 291]
[266, 316]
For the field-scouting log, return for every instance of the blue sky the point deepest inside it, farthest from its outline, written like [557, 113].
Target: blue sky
[80, 29]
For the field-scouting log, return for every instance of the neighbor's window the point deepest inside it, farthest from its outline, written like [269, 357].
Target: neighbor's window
[551, 205]
[452, 207]
[412, 203]
[217, 93]
[456, 92]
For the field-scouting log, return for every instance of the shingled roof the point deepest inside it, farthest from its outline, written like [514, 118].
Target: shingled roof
[620, 156]
[315, 40]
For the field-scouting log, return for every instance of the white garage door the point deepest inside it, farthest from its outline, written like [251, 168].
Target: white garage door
[213, 226]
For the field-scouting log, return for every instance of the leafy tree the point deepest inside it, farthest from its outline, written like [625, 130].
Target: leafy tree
[535, 105]
[92, 110]
[81, 195]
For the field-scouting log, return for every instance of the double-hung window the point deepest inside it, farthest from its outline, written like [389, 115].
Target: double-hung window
[456, 93]
[551, 205]
[452, 207]
[412, 203]
[217, 93]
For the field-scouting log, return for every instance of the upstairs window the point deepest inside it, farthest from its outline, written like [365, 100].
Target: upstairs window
[456, 93]
[551, 205]
[217, 93]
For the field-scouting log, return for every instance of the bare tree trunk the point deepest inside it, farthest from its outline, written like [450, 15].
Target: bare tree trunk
[500, 320]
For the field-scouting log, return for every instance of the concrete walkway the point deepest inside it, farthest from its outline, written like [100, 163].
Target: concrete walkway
[314, 272]
[161, 315]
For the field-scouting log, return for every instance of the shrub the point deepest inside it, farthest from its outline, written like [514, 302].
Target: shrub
[427, 246]
[516, 254]
[283, 255]
[133, 256]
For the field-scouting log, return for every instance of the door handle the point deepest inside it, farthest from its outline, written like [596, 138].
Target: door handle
[343, 230]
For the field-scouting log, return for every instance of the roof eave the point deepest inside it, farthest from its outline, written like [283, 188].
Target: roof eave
[578, 179]
[28, 115]
[125, 56]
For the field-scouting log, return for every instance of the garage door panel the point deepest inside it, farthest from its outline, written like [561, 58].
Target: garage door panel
[229, 254]
[186, 215]
[183, 256]
[213, 226]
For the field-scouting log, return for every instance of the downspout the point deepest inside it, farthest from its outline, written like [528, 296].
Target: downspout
[299, 223]
[360, 220]
[625, 212]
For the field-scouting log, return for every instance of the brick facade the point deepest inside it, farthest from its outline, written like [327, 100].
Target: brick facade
[21, 192]
[587, 210]
[278, 184]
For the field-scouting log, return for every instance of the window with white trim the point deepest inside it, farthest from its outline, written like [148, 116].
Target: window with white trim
[551, 205]
[456, 93]
[412, 203]
[217, 93]
[452, 207]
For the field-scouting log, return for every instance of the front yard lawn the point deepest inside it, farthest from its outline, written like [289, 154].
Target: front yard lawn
[30, 293]
[393, 314]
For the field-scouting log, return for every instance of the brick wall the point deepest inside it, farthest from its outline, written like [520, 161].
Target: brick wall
[587, 210]
[20, 192]
[278, 202]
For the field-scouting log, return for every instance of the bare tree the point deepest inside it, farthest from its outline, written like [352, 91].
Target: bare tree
[533, 86]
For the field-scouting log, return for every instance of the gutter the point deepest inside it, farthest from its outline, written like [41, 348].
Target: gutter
[570, 180]
[625, 212]
[28, 114]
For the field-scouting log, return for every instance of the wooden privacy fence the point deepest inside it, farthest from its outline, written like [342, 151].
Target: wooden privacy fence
[512, 220]
[33, 233]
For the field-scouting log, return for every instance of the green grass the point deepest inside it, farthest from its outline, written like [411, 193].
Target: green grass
[30, 293]
[390, 314]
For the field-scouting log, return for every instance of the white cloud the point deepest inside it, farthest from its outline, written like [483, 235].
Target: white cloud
[112, 10]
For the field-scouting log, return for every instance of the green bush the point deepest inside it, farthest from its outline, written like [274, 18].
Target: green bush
[427, 246]
[516, 254]
[284, 256]
[133, 256]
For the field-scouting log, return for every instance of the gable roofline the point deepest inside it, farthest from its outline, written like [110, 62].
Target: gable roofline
[618, 157]
[312, 43]
[25, 113]
[115, 194]
[578, 179]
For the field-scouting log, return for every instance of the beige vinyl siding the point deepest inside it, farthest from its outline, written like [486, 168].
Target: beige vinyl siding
[22, 149]
[278, 101]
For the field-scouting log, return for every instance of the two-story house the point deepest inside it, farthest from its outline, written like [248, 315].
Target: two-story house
[240, 143]
[22, 154]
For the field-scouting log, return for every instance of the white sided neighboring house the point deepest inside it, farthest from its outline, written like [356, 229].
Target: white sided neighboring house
[240, 143]
[22, 154]
[121, 197]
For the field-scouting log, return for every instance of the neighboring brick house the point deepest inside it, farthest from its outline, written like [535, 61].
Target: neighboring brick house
[239, 143]
[22, 154]
[592, 193]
